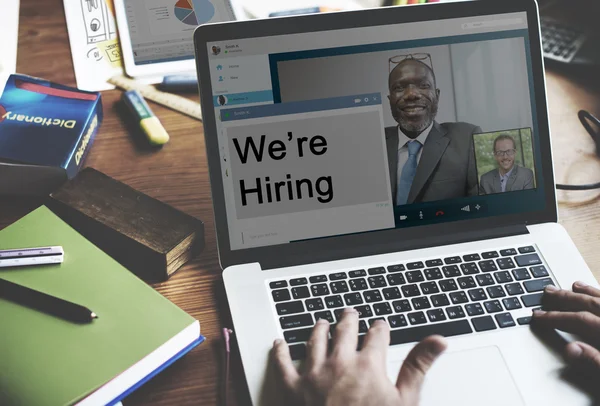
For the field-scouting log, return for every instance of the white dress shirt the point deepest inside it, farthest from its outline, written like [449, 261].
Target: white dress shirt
[403, 148]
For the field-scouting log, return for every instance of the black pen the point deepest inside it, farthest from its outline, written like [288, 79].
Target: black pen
[45, 303]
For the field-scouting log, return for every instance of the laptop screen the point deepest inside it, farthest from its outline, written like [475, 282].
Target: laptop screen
[340, 132]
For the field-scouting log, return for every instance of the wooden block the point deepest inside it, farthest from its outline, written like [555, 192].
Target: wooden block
[149, 237]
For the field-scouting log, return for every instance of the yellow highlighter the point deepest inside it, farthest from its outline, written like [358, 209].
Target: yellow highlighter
[149, 123]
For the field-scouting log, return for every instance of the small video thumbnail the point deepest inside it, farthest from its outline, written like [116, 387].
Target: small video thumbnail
[504, 161]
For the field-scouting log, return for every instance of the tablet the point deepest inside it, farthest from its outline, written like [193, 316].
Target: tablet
[157, 35]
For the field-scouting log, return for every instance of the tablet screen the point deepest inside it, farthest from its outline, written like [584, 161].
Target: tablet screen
[162, 30]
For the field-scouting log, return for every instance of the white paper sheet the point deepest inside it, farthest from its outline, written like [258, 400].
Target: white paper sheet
[94, 42]
[9, 21]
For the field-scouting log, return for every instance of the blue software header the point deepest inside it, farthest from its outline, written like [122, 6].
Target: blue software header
[281, 109]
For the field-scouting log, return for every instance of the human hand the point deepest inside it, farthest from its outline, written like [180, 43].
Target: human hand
[349, 377]
[576, 312]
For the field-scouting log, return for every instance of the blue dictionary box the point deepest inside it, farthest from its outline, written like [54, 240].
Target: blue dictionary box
[46, 131]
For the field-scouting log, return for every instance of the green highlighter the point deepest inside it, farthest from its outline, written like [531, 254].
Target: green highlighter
[149, 123]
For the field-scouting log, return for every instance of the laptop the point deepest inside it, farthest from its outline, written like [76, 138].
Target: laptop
[398, 161]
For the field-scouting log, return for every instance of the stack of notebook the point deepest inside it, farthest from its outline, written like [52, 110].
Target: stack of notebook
[45, 360]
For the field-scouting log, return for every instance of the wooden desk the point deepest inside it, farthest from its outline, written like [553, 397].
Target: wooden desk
[177, 175]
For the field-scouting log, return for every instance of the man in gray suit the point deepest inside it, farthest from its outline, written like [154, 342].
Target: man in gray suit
[428, 161]
[509, 176]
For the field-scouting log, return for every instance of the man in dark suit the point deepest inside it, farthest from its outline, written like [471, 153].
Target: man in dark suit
[428, 161]
[509, 176]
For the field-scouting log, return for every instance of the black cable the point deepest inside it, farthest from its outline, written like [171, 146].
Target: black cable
[586, 119]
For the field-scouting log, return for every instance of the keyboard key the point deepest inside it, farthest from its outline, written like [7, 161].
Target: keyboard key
[451, 271]
[505, 263]
[397, 320]
[324, 315]
[537, 285]
[433, 274]
[296, 336]
[417, 318]
[487, 266]
[514, 289]
[455, 312]
[358, 284]
[318, 279]
[391, 293]
[358, 273]
[364, 311]
[526, 250]
[414, 276]
[471, 257]
[436, 315]
[490, 255]
[372, 296]
[300, 320]
[484, 323]
[508, 252]
[448, 285]
[528, 260]
[477, 294]
[420, 303]
[503, 277]
[280, 295]
[538, 271]
[289, 308]
[474, 309]
[466, 282]
[415, 265]
[505, 320]
[434, 262]
[377, 271]
[314, 304]
[511, 303]
[452, 260]
[440, 300]
[396, 268]
[381, 309]
[376, 281]
[338, 313]
[334, 301]
[429, 287]
[298, 281]
[524, 320]
[410, 290]
[362, 327]
[414, 334]
[396, 279]
[372, 321]
[401, 306]
[320, 289]
[458, 297]
[297, 351]
[495, 292]
[485, 279]
[336, 276]
[493, 306]
[469, 268]
[339, 287]
[278, 284]
[353, 299]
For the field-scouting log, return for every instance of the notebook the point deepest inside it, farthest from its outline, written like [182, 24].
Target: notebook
[48, 361]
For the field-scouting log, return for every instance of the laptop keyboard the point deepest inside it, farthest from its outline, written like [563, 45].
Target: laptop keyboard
[450, 296]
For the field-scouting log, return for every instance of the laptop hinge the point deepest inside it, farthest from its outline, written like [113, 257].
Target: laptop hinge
[395, 246]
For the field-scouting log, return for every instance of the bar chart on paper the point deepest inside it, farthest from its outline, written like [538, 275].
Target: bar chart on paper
[194, 12]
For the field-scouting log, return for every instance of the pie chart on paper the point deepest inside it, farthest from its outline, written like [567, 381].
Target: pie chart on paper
[194, 12]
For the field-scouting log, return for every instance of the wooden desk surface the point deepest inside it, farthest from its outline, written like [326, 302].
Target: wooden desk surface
[177, 175]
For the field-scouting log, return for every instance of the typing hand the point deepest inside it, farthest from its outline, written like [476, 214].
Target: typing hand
[576, 312]
[348, 377]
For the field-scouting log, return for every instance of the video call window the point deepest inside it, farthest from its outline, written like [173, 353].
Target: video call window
[505, 161]
[438, 100]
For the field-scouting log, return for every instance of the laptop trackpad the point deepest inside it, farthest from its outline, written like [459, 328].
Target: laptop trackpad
[469, 378]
